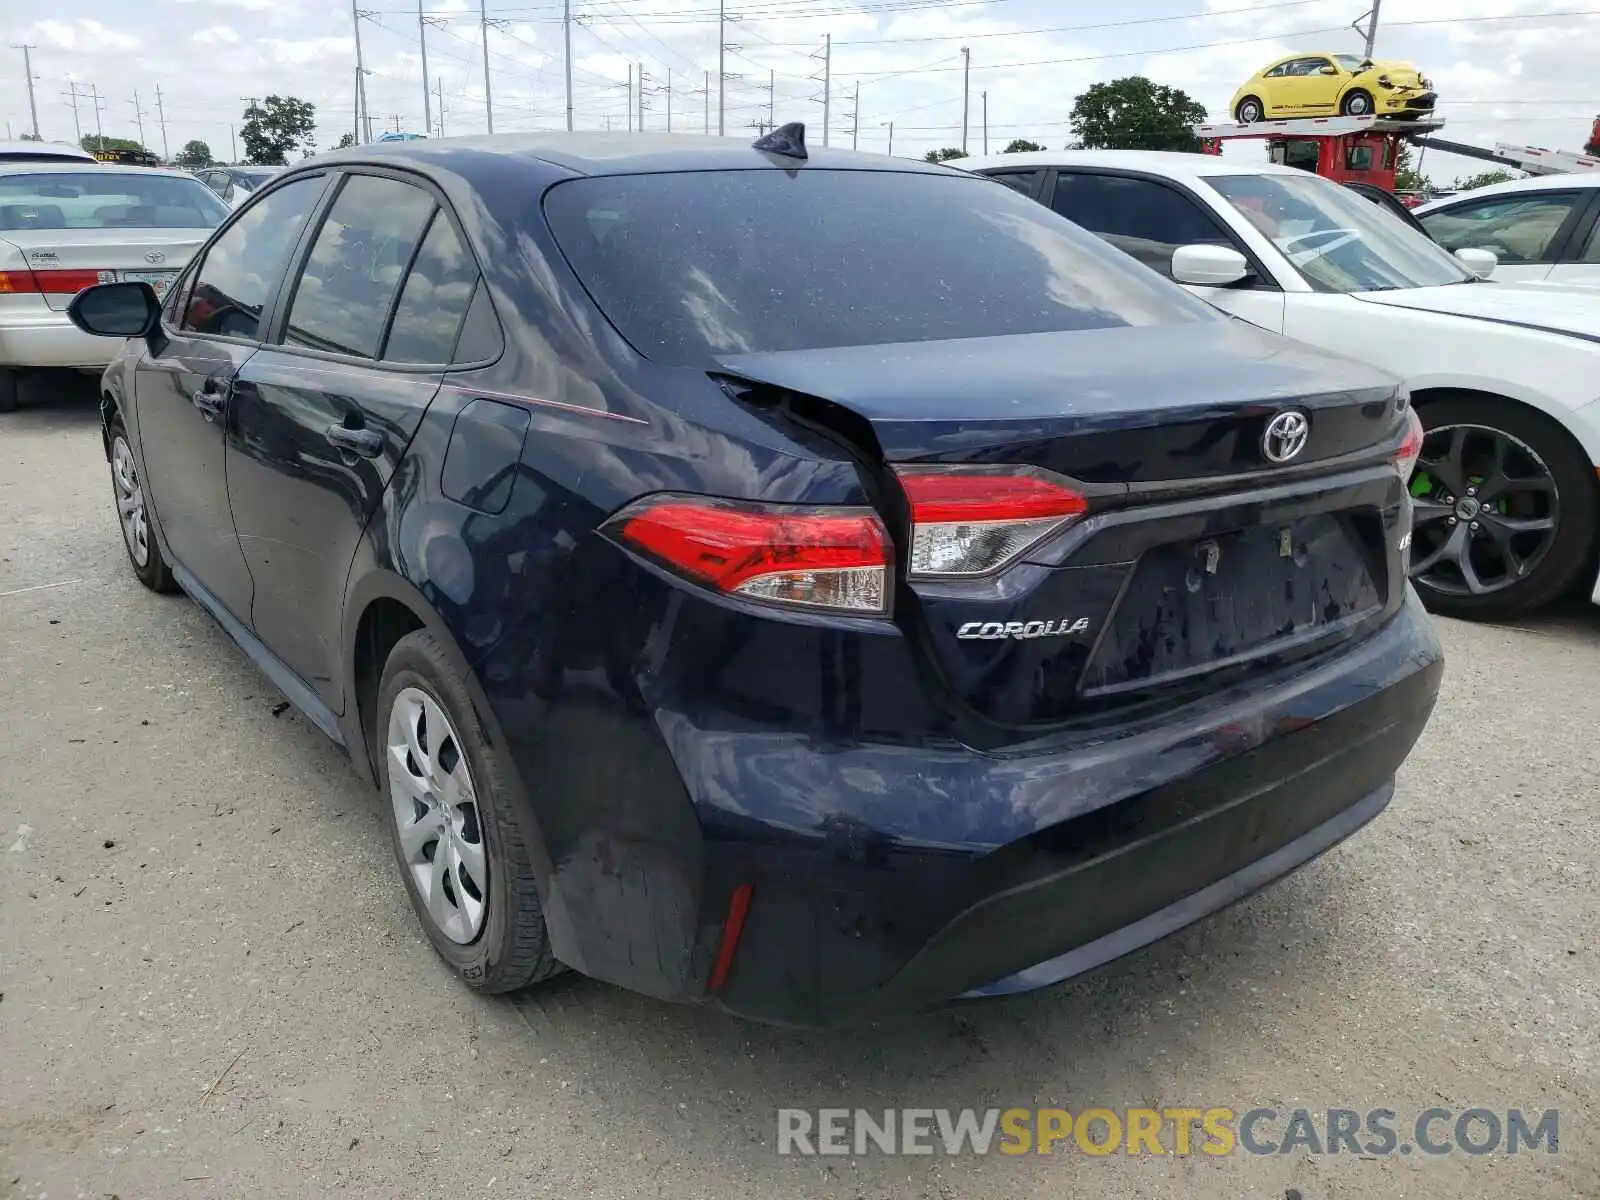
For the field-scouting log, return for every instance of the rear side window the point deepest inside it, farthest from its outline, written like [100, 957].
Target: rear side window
[105, 198]
[434, 299]
[343, 296]
[692, 265]
[243, 265]
[1591, 248]
[1139, 217]
[1026, 182]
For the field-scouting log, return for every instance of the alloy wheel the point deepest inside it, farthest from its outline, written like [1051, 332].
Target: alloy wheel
[1485, 511]
[436, 813]
[130, 502]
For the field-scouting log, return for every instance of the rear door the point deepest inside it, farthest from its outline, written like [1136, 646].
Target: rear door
[323, 416]
[183, 391]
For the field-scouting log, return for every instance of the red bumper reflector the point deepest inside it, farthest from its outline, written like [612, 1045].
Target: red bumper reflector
[732, 927]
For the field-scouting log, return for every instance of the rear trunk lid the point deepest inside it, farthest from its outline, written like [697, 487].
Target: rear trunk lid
[152, 255]
[1196, 552]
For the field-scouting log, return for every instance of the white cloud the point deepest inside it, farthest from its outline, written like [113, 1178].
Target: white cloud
[216, 35]
[83, 35]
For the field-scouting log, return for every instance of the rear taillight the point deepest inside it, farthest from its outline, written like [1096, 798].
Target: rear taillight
[1410, 445]
[56, 283]
[968, 521]
[824, 558]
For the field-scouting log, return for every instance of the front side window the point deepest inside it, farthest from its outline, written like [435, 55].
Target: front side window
[342, 298]
[105, 198]
[692, 265]
[1026, 182]
[1335, 239]
[245, 262]
[1519, 229]
[1140, 217]
[1591, 248]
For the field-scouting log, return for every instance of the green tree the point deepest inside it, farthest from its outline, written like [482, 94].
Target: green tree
[32, 137]
[1406, 176]
[194, 155]
[95, 144]
[275, 128]
[945, 155]
[347, 139]
[1021, 146]
[1135, 114]
[1482, 179]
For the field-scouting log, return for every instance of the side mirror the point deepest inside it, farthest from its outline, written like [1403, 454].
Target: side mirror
[1327, 70]
[1209, 266]
[1480, 262]
[116, 310]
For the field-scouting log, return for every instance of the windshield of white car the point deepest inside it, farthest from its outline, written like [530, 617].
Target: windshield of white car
[103, 198]
[1338, 241]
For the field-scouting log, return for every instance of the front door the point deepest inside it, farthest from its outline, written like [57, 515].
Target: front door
[185, 393]
[325, 415]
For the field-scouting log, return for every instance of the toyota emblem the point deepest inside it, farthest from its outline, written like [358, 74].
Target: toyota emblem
[155, 256]
[1285, 436]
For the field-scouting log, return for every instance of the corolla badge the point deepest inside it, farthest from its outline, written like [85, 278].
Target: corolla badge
[1285, 436]
[1021, 630]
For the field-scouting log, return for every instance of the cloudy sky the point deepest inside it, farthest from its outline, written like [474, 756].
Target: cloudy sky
[1507, 70]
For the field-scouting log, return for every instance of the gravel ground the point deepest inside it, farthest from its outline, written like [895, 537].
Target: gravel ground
[213, 985]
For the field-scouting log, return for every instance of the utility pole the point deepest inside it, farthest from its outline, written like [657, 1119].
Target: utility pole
[566, 34]
[138, 115]
[722, 66]
[630, 97]
[708, 103]
[427, 102]
[1371, 31]
[986, 122]
[99, 130]
[827, 81]
[440, 83]
[641, 97]
[77, 131]
[855, 116]
[161, 114]
[488, 99]
[27, 49]
[355, 22]
[890, 150]
[669, 99]
[233, 146]
[966, 92]
[772, 92]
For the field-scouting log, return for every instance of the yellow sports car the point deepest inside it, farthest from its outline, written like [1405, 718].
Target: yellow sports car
[1316, 85]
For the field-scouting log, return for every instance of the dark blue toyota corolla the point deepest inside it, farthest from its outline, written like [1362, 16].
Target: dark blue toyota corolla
[815, 585]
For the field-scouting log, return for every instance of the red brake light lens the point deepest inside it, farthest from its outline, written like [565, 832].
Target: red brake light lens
[968, 521]
[56, 283]
[827, 558]
[1410, 445]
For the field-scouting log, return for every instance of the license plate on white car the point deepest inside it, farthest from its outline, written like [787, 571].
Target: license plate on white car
[159, 280]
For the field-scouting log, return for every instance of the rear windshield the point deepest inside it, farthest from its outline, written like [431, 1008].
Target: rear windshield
[691, 265]
[103, 198]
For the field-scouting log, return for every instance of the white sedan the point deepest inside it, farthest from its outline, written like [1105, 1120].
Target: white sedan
[65, 226]
[1506, 377]
[1544, 228]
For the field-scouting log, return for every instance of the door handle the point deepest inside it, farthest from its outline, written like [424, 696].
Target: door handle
[368, 443]
[209, 402]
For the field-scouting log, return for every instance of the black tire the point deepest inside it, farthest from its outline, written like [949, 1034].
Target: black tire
[1242, 113]
[1571, 553]
[9, 378]
[1357, 102]
[154, 572]
[512, 950]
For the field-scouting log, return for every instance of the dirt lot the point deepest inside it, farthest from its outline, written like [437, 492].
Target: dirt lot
[213, 985]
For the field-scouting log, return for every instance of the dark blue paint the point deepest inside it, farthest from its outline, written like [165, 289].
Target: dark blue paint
[921, 817]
